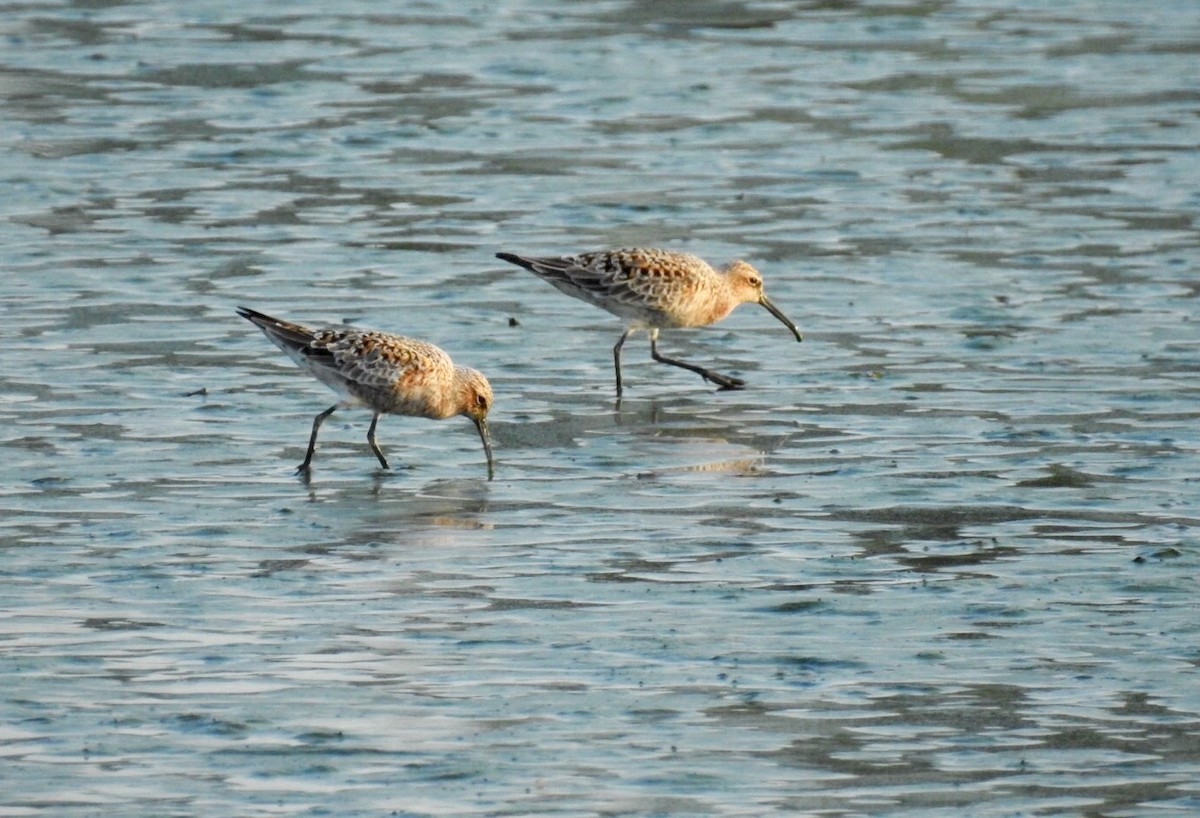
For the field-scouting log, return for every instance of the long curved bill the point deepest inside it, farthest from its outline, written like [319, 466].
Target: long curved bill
[775, 311]
[481, 425]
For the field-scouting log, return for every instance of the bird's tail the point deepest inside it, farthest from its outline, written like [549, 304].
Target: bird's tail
[286, 335]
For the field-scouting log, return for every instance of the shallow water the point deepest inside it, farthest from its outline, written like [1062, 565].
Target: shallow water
[939, 559]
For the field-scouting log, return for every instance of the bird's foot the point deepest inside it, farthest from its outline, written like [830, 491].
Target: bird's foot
[725, 382]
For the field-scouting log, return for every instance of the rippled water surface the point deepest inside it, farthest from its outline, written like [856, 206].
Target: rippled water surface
[938, 560]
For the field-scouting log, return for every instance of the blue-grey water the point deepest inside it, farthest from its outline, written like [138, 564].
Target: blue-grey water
[941, 559]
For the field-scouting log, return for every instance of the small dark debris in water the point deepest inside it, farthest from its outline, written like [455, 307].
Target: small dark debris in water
[1002, 299]
[286, 510]
[512, 322]
[196, 393]
[1168, 553]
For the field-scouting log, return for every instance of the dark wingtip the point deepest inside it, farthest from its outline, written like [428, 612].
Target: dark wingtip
[513, 259]
[256, 317]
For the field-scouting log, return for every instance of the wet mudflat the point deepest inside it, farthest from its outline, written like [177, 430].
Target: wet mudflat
[939, 559]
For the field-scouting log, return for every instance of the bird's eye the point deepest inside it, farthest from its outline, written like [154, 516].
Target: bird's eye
[481, 401]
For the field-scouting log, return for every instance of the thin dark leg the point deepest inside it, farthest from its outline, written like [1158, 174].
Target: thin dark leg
[723, 381]
[375, 446]
[312, 441]
[617, 358]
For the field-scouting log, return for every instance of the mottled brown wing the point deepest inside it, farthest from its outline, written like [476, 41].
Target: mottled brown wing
[374, 360]
[630, 283]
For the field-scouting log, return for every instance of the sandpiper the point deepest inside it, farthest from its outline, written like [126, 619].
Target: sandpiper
[389, 374]
[655, 290]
